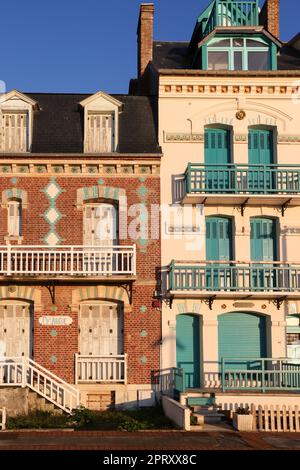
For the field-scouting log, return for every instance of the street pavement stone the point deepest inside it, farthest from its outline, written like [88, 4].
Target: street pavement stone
[95, 440]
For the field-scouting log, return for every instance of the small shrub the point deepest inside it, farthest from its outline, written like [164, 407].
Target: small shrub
[81, 417]
[38, 419]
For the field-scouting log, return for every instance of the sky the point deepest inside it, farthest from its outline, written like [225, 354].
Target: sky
[83, 46]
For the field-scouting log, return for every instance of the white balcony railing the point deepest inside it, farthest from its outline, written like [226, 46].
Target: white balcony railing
[101, 369]
[67, 260]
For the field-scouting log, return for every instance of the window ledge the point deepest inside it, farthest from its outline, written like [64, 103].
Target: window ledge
[13, 238]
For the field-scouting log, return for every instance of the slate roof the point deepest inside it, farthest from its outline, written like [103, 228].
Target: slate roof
[175, 55]
[58, 125]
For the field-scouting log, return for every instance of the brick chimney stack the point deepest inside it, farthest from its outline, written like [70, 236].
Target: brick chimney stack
[145, 37]
[270, 17]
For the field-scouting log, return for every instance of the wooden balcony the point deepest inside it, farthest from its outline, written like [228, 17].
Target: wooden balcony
[67, 261]
[232, 13]
[100, 369]
[270, 185]
[232, 279]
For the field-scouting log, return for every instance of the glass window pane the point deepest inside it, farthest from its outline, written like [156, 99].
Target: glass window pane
[238, 61]
[253, 43]
[218, 60]
[238, 42]
[222, 43]
[258, 60]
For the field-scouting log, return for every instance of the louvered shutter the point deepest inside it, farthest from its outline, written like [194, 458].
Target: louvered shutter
[14, 218]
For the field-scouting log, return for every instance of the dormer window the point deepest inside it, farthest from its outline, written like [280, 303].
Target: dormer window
[101, 123]
[14, 131]
[16, 122]
[238, 54]
[100, 132]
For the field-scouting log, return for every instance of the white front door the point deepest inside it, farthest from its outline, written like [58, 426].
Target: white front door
[16, 326]
[100, 225]
[100, 329]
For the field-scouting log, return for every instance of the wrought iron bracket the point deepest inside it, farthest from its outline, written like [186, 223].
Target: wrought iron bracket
[128, 287]
[284, 207]
[278, 302]
[51, 290]
[209, 302]
[243, 207]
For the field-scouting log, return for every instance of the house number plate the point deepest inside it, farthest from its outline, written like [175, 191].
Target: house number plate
[48, 320]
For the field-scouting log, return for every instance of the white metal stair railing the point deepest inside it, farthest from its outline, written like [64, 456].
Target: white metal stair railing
[25, 372]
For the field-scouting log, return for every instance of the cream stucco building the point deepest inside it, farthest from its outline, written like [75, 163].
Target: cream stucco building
[228, 122]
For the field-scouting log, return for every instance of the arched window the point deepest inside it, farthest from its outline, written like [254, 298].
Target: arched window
[14, 218]
[238, 54]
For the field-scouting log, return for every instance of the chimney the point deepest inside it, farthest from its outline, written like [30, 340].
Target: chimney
[145, 37]
[269, 17]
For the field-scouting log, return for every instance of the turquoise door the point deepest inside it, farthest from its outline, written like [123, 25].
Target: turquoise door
[188, 348]
[263, 239]
[217, 157]
[261, 159]
[218, 248]
[242, 336]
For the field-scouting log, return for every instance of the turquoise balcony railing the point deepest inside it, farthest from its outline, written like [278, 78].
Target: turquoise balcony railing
[232, 13]
[263, 374]
[242, 179]
[232, 276]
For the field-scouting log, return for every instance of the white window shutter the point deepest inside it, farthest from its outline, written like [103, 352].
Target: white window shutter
[13, 133]
[100, 133]
[14, 218]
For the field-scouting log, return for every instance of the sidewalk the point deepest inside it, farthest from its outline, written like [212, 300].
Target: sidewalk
[168, 440]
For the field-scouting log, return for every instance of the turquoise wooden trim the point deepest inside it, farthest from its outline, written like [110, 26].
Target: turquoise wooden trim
[274, 60]
[261, 375]
[234, 277]
[239, 179]
[245, 49]
[232, 13]
[204, 57]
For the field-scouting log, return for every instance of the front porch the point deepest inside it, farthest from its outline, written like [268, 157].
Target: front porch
[262, 375]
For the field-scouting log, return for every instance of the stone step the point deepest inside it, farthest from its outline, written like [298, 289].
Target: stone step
[209, 418]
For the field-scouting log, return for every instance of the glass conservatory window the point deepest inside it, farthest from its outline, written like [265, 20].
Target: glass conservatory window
[238, 54]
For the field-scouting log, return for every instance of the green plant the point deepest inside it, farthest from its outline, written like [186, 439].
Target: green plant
[38, 419]
[81, 417]
[193, 420]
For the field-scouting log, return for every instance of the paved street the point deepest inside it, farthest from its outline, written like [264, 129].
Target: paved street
[176, 440]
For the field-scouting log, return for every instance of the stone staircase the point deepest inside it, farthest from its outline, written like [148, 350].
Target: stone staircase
[204, 409]
[37, 402]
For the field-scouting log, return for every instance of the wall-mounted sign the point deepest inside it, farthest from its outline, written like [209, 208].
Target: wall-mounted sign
[59, 320]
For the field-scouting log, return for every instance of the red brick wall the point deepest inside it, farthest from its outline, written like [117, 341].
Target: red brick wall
[143, 351]
[145, 37]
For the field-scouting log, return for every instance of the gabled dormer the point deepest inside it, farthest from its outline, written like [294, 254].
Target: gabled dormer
[101, 123]
[16, 122]
[228, 36]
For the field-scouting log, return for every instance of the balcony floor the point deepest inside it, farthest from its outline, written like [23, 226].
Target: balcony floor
[76, 278]
[271, 200]
[194, 294]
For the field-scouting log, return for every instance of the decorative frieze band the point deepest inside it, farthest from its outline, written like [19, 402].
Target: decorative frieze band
[79, 169]
[220, 89]
[185, 137]
[289, 138]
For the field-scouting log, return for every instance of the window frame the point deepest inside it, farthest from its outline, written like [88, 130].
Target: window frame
[245, 49]
[14, 221]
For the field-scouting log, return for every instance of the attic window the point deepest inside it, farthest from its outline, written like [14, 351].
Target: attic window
[14, 131]
[238, 54]
[100, 132]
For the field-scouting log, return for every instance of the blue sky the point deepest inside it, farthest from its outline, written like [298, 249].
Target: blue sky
[89, 45]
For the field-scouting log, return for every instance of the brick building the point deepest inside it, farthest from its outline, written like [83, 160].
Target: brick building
[78, 177]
